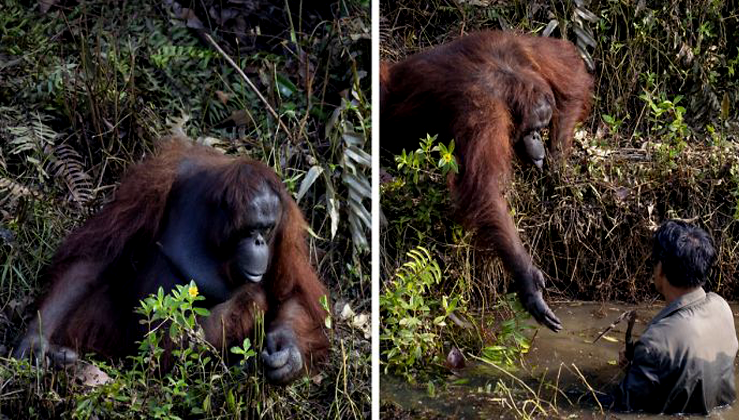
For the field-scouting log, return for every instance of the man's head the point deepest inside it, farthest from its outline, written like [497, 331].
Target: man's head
[684, 253]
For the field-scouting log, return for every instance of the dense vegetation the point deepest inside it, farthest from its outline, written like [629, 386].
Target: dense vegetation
[87, 88]
[661, 142]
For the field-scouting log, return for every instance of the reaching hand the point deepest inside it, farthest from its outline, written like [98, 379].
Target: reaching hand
[530, 288]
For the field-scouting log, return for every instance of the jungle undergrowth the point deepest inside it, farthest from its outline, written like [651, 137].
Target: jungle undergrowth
[88, 89]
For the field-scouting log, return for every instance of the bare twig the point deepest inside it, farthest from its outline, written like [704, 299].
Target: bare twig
[251, 85]
[590, 388]
[536, 400]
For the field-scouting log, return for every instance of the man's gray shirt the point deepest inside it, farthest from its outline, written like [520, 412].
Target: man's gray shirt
[684, 361]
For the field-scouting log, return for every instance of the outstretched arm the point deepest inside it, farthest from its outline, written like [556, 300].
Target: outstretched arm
[496, 226]
[485, 155]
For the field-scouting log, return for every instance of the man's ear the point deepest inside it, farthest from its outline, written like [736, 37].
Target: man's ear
[658, 277]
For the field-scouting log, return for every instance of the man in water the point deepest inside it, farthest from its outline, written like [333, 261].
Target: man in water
[684, 361]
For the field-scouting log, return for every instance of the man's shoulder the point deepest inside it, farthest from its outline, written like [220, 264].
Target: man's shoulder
[720, 310]
[689, 324]
[655, 337]
[712, 306]
[717, 300]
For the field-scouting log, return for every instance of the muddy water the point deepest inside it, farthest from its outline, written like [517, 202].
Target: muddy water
[567, 361]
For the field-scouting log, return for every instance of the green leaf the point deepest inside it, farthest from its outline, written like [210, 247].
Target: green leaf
[285, 86]
[201, 311]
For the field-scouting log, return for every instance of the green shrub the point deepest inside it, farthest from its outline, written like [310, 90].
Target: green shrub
[412, 315]
[510, 341]
[419, 175]
[198, 383]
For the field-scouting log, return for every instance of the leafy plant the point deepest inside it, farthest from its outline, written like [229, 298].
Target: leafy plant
[614, 125]
[348, 127]
[198, 376]
[668, 124]
[421, 175]
[174, 312]
[665, 109]
[510, 341]
[412, 315]
[416, 163]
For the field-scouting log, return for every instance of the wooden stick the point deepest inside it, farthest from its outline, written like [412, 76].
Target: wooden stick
[250, 84]
[613, 324]
[629, 339]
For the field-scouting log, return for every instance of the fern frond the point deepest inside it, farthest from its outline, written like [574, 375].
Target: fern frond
[66, 165]
[11, 191]
[33, 135]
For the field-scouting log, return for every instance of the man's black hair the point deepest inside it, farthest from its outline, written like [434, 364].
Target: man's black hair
[685, 251]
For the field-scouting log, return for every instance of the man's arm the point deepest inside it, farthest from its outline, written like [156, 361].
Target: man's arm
[640, 389]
